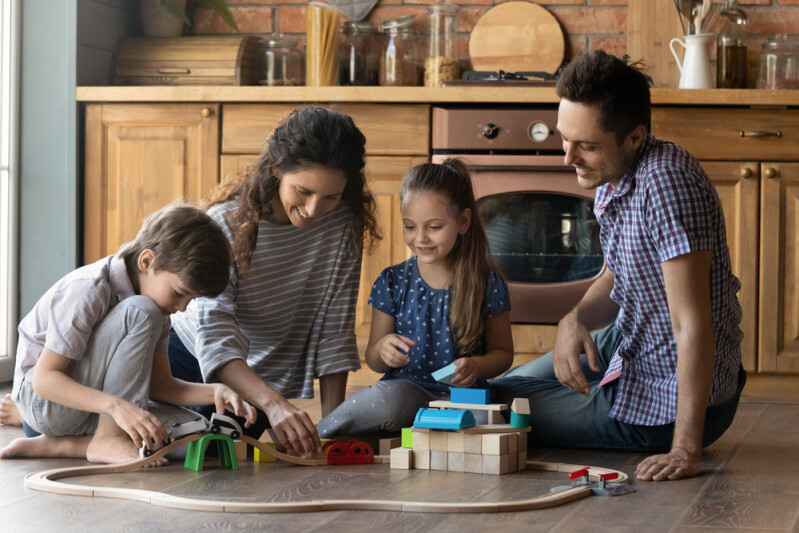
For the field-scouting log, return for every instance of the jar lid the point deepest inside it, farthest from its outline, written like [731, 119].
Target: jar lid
[443, 9]
[359, 25]
[277, 40]
[396, 24]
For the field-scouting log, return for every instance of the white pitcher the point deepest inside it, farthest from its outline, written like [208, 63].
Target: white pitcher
[695, 67]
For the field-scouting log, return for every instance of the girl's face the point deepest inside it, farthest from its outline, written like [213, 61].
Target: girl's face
[431, 225]
[307, 195]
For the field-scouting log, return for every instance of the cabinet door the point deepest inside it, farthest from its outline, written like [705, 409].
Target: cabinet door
[779, 268]
[737, 185]
[140, 157]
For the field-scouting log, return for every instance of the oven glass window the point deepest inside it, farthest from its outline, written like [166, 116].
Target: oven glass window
[542, 238]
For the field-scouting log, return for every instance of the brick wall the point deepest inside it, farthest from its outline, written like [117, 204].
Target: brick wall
[587, 24]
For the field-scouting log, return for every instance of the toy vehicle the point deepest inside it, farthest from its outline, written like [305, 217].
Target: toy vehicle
[226, 425]
[178, 431]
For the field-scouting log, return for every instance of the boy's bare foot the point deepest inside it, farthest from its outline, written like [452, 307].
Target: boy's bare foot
[112, 445]
[9, 414]
[44, 446]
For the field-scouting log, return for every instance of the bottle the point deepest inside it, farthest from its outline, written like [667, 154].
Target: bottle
[282, 62]
[321, 49]
[399, 60]
[441, 63]
[358, 54]
[731, 53]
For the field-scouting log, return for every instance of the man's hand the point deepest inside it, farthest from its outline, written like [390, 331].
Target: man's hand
[572, 340]
[676, 464]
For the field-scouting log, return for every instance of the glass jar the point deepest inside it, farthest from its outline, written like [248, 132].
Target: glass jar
[399, 60]
[358, 54]
[321, 48]
[282, 61]
[777, 63]
[731, 60]
[441, 63]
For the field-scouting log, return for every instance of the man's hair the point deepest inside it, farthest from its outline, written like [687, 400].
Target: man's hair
[186, 242]
[618, 87]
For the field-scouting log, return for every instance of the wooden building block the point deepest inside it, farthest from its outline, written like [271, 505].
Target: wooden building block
[495, 417]
[495, 464]
[521, 460]
[520, 406]
[513, 442]
[455, 461]
[445, 375]
[456, 442]
[444, 404]
[438, 460]
[262, 457]
[473, 463]
[421, 440]
[522, 441]
[495, 444]
[438, 441]
[472, 443]
[470, 396]
[386, 445]
[407, 438]
[241, 450]
[421, 459]
[402, 458]
[513, 459]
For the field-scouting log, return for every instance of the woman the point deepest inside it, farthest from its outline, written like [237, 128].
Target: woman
[297, 221]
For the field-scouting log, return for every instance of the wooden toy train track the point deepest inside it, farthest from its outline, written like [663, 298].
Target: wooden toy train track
[48, 481]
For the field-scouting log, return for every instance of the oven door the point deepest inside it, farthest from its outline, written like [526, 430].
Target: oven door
[541, 231]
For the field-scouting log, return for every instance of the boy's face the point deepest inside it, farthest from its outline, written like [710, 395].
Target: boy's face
[166, 289]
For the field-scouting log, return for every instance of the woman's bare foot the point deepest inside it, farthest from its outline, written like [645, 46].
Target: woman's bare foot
[9, 414]
[44, 446]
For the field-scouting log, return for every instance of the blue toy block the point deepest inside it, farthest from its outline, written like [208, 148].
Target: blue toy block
[476, 396]
[443, 419]
[445, 375]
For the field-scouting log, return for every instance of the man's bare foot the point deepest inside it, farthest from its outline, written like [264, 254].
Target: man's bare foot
[9, 414]
[44, 446]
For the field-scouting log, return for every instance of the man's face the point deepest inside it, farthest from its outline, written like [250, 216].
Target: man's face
[594, 153]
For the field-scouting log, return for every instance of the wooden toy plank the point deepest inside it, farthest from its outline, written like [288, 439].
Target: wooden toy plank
[495, 428]
[362, 505]
[444, 404]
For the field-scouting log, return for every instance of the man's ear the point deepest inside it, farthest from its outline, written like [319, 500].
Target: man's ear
[146, 261]
[637, 136]
[464, 221]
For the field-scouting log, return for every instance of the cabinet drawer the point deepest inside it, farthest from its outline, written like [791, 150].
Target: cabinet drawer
[717, 133]
[390, 129]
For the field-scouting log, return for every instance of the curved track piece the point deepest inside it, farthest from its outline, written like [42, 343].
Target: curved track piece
[46, 481]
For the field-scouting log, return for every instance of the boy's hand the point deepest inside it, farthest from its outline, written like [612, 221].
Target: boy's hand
[224, 397]
[142, 426]
[393, 350]
[466, 373]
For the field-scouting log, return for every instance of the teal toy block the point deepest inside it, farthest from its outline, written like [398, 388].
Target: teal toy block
[443, 419]
[445, 375]
[407, 438]
[474, 396]
[518, 420]
[195, 455]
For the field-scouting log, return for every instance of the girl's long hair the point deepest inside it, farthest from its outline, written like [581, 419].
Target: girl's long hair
[469, 261]
[309, 137]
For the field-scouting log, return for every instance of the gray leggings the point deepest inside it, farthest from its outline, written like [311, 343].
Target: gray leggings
[118, 360]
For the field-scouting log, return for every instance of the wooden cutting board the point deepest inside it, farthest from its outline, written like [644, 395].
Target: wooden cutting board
[517, 37]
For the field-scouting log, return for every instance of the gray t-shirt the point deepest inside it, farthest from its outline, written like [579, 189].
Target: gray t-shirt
[292, 317]
[64, 318]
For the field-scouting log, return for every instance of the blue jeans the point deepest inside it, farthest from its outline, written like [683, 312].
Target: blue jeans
[565, 419]
[185, 366]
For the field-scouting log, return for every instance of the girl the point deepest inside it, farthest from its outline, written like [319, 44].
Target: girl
[297, 221]
[446, 303]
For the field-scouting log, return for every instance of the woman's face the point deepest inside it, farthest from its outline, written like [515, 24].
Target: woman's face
[307, 195]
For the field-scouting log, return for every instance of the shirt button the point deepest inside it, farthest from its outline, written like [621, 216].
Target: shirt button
[626, 364]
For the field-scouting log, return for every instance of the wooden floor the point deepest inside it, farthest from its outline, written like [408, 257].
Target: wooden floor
[749, 482]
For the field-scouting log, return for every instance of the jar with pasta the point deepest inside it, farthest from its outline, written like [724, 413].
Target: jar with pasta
[441, 62]
[321, 49]
[399, 58]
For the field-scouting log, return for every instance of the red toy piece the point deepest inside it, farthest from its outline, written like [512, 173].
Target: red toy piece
[352, 452]
[608, 477]
[583, 472]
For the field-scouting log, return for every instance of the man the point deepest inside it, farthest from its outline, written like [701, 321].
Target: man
[665, 376]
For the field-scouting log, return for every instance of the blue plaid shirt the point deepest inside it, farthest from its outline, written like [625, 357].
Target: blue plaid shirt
[664, 207]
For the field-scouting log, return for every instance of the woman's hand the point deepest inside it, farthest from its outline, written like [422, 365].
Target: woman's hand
[294, 428]
[142, 426]
[393, 350]
[225, 398]
[466, 372]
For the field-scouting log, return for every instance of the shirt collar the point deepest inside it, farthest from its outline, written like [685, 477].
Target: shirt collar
[628, 180]
[119, 279]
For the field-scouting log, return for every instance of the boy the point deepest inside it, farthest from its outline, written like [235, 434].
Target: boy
[96, 344]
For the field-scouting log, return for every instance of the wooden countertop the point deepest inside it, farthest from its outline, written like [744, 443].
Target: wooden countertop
[487, 95]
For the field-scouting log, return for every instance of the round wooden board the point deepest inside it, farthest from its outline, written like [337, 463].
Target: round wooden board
[517, 37]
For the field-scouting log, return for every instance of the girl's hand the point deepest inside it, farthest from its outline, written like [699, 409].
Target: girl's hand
[224, 397]
[466, 372]
[142, 426]
[393, 350]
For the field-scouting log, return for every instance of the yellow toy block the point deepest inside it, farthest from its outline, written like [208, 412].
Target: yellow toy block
[262, 457]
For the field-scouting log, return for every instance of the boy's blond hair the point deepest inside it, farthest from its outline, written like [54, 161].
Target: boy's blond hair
[186, 242]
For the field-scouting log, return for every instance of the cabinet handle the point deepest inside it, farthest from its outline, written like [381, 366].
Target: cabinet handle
[760, 133]
[207, 112]
[746, 173]
[174, 70]
[770, 173]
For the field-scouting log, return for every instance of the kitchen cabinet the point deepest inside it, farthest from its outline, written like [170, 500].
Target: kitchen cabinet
[749, 155]
[140, 157]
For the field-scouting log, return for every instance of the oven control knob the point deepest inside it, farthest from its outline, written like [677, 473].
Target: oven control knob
[538, 131]
[490, 131]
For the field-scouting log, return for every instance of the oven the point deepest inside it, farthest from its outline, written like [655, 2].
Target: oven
[540, 224]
